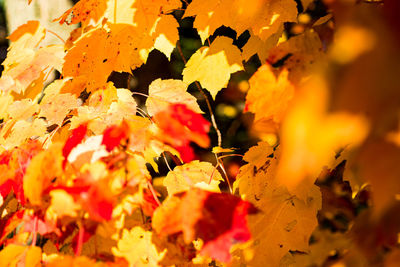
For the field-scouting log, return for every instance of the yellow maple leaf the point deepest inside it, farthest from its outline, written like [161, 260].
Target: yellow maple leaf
[17, 255]
[260, 47]
[25, 62]
[212, 66]
[107, 106]
[324, 242]
[194, 174]
[269, 96]
[23, 109]
[162, 93]
[285, 222]
[14, 133]
[151, 18]
[137, 248]
[101, 99]
[263, 17]
[166, 35]
[302, 53]
[55, 109]
[43, 168]
[63, 204]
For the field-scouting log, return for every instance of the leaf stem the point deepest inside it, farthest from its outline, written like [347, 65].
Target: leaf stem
[35, 228]
[153, 192]
[56, 35]
[81, 233]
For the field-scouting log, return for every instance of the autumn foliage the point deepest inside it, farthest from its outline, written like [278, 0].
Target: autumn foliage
[90, 175]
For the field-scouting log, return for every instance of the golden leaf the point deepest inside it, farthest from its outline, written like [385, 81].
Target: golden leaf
[269, 96]
[43, 168]
[137, 248]
[285, 222]
[194, 174]
[263, 17]
[17, 255]
[212, 66]
[162, 93]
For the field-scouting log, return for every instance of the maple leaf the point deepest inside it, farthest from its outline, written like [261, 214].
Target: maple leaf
[43, 168]
[99, 52]
[325, 242]
[151, 18]
[113, 135]
[180, 126]
[84, 11]
[285, 222]
[17, 161]
[94, 196]
[263, 17]
[14, 255]
[302, 54]
[194, 174]
[6, 100]
[74, 139]
[163, 93]
[62, 204]
[88, 151]
[269, 96]
[15, 133]
[55, 108]
[25, 63]
[107, 106]
[137, 248]
[219, 219]
[212, 66]
[260, 47]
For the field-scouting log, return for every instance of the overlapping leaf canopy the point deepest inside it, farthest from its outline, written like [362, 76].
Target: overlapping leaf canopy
[81, 161]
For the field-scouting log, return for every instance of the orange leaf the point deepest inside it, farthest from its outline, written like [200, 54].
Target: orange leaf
[84, 11]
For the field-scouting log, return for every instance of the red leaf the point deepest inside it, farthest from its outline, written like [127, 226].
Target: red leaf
[194, 121]
[149, 205]
[94, 197]
[113, 136]
[17, 161]
[217, 218]
[180, 126]
[186, 152]
[75, 139]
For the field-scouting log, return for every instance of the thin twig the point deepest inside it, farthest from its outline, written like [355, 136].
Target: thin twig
[166, 161]
[230, 155]
[56, 35]
[153, 192]
[221, 165]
